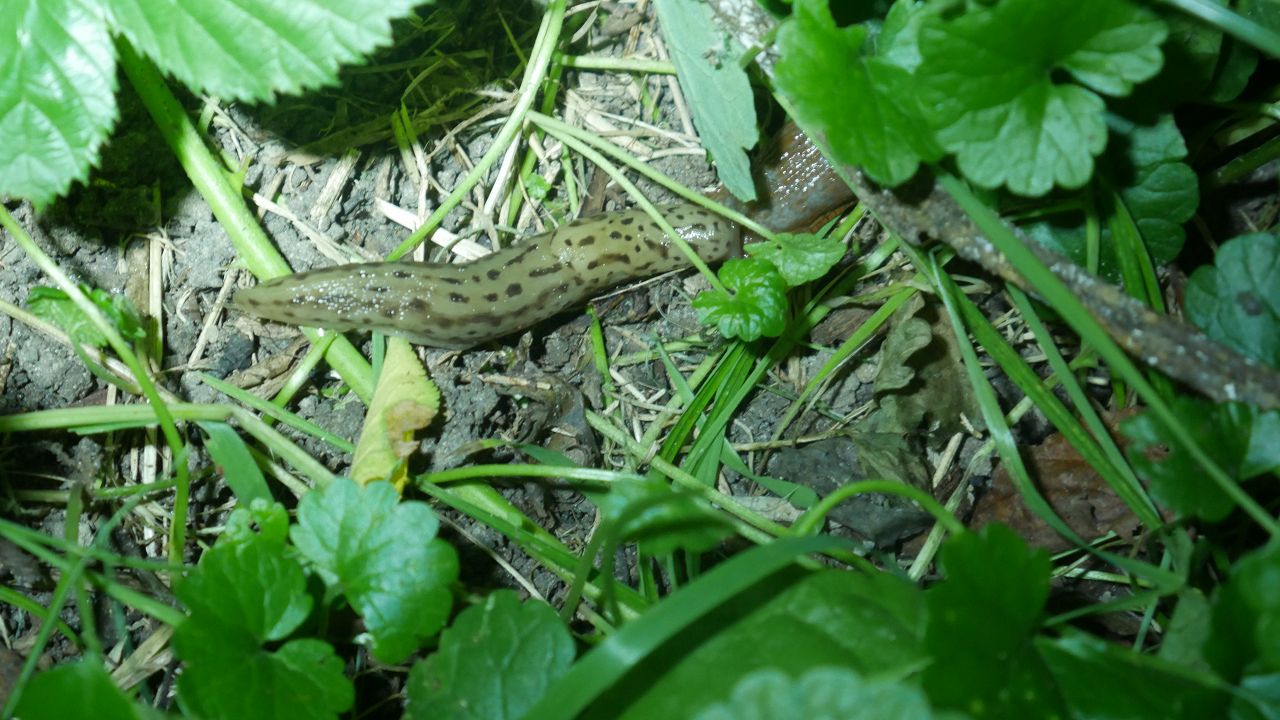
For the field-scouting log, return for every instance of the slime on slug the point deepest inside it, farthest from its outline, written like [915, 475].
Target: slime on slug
[459, 305]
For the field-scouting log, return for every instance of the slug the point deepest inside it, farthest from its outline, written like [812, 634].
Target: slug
[459, 305]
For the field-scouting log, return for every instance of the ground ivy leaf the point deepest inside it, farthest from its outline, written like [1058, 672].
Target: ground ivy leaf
[1144, 164]
[243, 594]
[1246, 617]
[302, 679]
[820, 694]
[495, 662]
[253, 52]
[57, 95]
[800, 258]
[874, 121]
[1107, 680]
[1160, 191]
[982, 619]
[68, 690]
[260, 518]
[1237, 301]
[757, 305]
[706, 60]
[986, 78]
[1242, 439]
[404, 402]
[670, 520]
[382, 555]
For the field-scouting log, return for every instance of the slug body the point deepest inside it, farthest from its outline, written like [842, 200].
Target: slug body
[459, 305]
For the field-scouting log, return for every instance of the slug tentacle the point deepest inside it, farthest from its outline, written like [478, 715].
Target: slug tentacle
[460, 305]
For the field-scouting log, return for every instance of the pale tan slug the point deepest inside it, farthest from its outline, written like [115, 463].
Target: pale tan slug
[459, 305]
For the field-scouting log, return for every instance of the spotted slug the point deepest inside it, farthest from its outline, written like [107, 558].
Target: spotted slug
[459, 305]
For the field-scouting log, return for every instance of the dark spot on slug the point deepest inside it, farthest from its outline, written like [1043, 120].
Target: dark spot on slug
[455, 281]
[390, 313]
[491, 297]
[623, 258]
[562, 288]
[593, 264]
[548, 270]
[297, 300]
[400, 274]
[588, 240]
[255, 302]
[378, 289]
[457, 297]
[514, 289]
[493, 274]
[615, 235]
[418, 305]
[627, 220]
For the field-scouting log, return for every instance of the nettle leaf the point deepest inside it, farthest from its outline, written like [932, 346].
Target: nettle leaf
[874, 120]
[800, 258]
[987, 82]
[706, 59]
[982, 620]
[1242, 439]
[495, 662]
[820, 693]
[1237, 301]
[758, 303]
[382, 555]
[243, 594]
[253, 51]
[57, 95]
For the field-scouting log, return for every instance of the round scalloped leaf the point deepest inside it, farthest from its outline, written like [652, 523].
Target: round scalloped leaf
[252, 51]
[989, 90]
[1237, 301]
[384, 556]
[57, 95]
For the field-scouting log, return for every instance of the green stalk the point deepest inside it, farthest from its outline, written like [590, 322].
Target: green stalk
[227, 204]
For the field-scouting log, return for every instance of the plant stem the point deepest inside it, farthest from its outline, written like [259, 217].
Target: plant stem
[227, 204]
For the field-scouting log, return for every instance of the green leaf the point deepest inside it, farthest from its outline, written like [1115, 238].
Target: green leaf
[494, 663]
[57, 307]
[1106, 680]
[1237, 301]
[1246, 617]
[258, 519]
[871, 624]
[707, 62]
[238, 467]
[404, 401]
[57, 95]
[874, 120]
[383, 555]
[253, 52]
[800, 258]
[827, 693]
[243, 594]
[1240, 438]
[988, 87]
[757, 307]
[662, 519]
[982, 619]
[68, 690]
[1144, 166]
